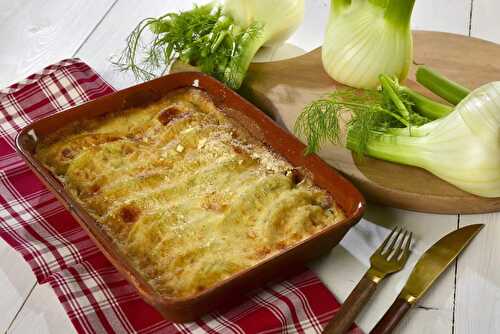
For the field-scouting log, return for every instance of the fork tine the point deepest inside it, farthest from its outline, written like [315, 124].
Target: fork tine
[390, 248]
[395, 251]
[404, 250]
[387, 239]
[407, 251]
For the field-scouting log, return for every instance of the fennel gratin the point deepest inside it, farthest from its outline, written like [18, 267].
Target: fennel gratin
[186, 193]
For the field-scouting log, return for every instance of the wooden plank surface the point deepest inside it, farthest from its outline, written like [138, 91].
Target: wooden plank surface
[108, 39]
[344, 266]
[42, 314]
[477, 297]
[16, 283]
[478, 279]
[35, 34]
[485, 20]
[442, 15]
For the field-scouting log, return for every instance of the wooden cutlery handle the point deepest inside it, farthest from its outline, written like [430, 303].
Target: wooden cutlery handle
[344, 318]
[392, 317]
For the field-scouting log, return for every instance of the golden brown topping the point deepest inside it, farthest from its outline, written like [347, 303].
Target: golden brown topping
[67, 153]
[238, 149]
[168, 115]
[129, 214]
[297, 176]
[95, 188]
[214, 202]
[281, 245]
[214, 206]
[251, 234]
[263, 251]
[191, 202]
[127, 149]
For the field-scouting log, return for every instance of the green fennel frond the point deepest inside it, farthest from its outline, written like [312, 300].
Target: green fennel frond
[202, 37]
[142, 69]
[155, 43]
[350, 117]
[322, 120]
[319, 123]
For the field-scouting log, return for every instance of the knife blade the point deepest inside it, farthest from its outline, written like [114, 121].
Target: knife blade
[428, 268]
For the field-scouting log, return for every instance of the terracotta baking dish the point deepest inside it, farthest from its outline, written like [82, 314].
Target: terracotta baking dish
[263, 128]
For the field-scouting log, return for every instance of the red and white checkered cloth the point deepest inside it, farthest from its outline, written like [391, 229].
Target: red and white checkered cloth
[95, 296]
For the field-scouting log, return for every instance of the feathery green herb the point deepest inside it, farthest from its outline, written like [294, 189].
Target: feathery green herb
[203, 37]
[364, 112]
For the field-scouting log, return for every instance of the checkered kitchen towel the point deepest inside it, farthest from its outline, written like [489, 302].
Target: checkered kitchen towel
[95, 296]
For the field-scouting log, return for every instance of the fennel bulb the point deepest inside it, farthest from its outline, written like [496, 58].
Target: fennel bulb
[279, 18]
[220, 40]
[276, 21]
[462, 148]
[366, 38]
[460, 144]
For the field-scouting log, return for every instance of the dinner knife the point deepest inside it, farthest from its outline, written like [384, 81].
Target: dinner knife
[428, 268]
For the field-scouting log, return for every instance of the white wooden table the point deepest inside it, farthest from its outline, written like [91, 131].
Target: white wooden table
[466, 299]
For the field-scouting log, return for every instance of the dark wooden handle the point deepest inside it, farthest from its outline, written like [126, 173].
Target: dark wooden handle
[344, 318]
[392, 317]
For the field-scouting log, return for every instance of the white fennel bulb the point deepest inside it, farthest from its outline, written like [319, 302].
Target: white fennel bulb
[279, 18]
[366, 38]
[462, 148]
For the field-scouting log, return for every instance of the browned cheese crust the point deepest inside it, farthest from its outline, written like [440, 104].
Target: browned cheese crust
[189, 197]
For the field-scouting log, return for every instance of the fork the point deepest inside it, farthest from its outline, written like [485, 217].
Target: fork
[389, 258]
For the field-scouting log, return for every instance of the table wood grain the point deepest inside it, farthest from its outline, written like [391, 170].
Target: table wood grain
[466, 299]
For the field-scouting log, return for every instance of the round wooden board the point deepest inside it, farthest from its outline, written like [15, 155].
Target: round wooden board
[283, 88]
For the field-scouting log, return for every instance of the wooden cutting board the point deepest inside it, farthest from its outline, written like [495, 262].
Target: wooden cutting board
[283, 88]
